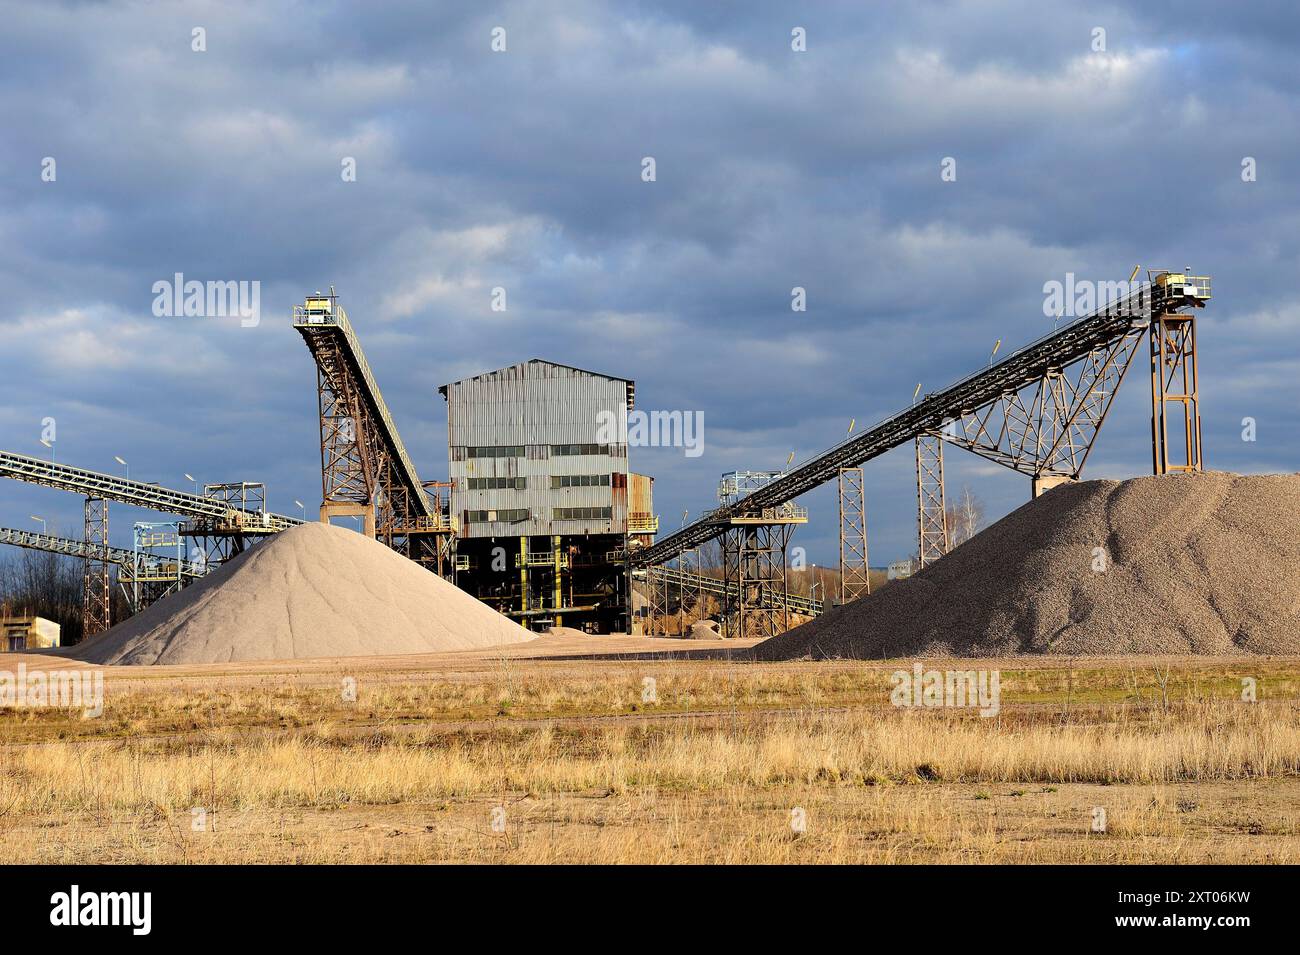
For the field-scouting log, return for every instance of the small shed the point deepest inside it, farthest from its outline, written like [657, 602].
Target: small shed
[27, 633]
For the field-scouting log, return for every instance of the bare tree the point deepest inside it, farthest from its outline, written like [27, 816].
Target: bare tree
[47, 585]
[965, 517]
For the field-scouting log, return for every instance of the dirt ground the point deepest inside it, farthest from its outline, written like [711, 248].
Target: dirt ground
[624, 749]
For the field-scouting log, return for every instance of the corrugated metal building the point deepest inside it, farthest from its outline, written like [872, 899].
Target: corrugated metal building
[539, 470]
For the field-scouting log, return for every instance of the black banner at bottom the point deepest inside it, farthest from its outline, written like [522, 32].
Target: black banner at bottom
[133, 904]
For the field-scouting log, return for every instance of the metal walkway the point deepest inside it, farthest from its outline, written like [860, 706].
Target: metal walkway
[154, 497]
[716, 586]
[1120, 321]
[75, 548]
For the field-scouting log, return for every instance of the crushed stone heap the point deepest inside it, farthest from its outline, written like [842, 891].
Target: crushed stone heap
[1203, 563]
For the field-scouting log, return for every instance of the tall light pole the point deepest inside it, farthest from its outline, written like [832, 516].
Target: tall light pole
[302, 507]
[122, 462]
[191, 477]
[41, 519]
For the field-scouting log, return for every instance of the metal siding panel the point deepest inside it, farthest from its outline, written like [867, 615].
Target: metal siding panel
[536, 403]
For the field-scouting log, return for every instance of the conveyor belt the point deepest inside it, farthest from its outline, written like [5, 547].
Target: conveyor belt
[1017, 370]
[21, 467]
[75, 548]
[333, 328]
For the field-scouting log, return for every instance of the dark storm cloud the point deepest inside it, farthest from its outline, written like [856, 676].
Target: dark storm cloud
[522, 170]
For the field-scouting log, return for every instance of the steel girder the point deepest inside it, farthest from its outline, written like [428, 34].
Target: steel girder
[1048, 427]
[1020, 369]
[363, 460]
[1175, 400]
[96, 606]
[108, 487]
[693, 585]
[690, 588]
[755, 594]
[126, 560]
[855, 575]
[659, 587]
[931, 506]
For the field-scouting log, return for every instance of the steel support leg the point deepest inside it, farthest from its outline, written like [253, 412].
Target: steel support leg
[96, 606]
[1175, 404]
[855, 578]
[932, 517]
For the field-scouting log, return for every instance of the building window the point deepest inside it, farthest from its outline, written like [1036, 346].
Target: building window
[582, 513]
[579, 480]
[512, 516]
[496, 451]
[572, 450]
[497, 483]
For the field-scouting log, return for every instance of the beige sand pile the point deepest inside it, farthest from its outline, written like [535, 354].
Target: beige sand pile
[567, 632]
[703, 630]
[311, 591]
[1202, 563]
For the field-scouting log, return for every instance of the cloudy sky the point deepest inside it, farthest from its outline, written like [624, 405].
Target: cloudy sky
[522, 169]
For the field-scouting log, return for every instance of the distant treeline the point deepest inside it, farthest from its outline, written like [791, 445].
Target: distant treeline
[48, 585]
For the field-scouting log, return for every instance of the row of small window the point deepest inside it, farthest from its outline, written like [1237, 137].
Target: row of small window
[520, 484]
[579, 480]
[515, 515]
[496, 451]
[537, 452]
[581, 513]
[497, 483]
[511, 516]
[572, 450]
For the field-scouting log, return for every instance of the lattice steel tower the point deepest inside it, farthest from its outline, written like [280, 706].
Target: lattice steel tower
[855, 576]
[95, 603]
[932, 516]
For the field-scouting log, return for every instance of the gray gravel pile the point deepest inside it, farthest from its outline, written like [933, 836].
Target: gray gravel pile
[1201, 564]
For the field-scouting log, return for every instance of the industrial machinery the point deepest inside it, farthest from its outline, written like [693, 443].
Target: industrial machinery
[542, 517]
[149, 560]
[1036, 411]
[158, 566]
[1175, 400]
[221, 521]
[546, 505]
[225, 518]
[365, 470]
[753, 590]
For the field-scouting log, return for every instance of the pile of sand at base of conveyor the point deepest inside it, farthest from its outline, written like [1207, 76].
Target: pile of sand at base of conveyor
[310, 591]
[1179, 564]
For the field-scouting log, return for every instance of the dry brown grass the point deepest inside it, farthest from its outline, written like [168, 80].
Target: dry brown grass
[587, 772]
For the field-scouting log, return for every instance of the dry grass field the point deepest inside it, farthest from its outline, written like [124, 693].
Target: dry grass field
[630, 751]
